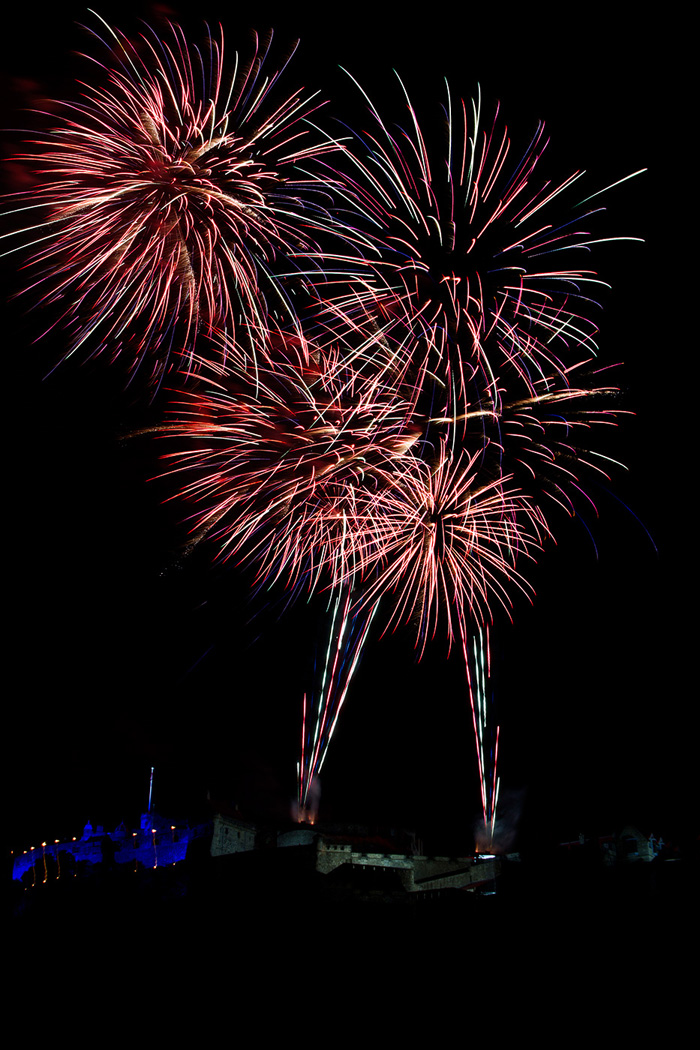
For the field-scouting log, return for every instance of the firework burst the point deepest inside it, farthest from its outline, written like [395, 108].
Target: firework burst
[277, 460]
[470, 239]
[168, 198]
[469, 292]
[442, 541]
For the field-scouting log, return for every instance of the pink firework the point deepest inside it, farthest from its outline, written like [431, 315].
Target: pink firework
[169, 197]
[276, 459]
[442, 543]
[474, 248]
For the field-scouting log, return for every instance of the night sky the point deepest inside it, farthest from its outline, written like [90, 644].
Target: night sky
[125, 654]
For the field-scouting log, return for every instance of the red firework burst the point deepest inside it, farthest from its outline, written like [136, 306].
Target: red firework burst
[471, 266]
[443, 542]
[279, 458]
[168, 197]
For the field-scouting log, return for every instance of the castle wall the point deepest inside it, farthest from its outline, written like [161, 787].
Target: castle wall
[231, 836]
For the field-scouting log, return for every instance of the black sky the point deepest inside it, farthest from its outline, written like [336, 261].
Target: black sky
[125, 655]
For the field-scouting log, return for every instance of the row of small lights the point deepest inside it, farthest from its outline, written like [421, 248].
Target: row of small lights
[74, 839]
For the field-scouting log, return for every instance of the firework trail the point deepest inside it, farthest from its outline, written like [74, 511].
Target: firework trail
[348, 632]
[484, 738]
[167, 198]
